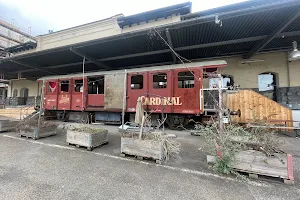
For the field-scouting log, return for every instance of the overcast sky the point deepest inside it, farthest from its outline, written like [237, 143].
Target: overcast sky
[44, 15]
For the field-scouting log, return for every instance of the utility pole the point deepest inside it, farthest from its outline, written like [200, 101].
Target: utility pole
[41, 108]
[221, 125]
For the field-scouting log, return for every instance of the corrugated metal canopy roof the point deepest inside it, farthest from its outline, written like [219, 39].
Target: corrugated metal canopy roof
[247, 28]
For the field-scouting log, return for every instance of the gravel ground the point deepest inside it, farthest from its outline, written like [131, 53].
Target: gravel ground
[49, 169]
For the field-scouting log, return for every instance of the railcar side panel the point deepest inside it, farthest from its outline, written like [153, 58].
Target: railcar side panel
[160, 98]
[137, 86]
[51, 91]
[95, 101]
[187, 84]
[78, 94]
[114, 92]
[64, 95]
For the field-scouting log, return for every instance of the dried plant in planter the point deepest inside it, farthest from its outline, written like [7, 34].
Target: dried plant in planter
[30, 128]
[88, 129]
[27, 125]
[170, 146]
[234, 139]
[152, 143]
[87, 136]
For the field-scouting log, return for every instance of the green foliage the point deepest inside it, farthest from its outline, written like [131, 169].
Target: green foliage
[223, 165]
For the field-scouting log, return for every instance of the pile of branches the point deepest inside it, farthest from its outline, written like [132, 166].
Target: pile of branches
[235, 138]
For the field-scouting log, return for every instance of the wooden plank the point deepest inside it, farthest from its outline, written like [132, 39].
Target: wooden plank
[254, 105]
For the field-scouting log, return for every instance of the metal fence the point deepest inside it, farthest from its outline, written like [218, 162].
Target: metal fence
[20, 101]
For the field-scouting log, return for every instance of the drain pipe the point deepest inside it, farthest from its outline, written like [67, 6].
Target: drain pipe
[288, 77]
[83, 63]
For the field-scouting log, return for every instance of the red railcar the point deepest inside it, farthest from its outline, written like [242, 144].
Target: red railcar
[171, 89]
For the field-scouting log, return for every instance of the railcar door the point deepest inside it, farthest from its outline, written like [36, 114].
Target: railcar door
[160, 92]
[95, 97]
[136, 87]
[64, 95]
[79, 94]
[187, 83]
[51, 91]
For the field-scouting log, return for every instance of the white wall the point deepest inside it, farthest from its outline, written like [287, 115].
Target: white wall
[32, 86]
[151, 23]
[92, 31]
[78, 34]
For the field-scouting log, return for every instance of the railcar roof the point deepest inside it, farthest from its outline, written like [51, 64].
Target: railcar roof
[217, 63]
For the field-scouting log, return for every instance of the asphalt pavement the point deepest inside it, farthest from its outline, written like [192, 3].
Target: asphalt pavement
[49, 169]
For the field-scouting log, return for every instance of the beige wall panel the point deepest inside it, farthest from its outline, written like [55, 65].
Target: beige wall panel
[246, 75]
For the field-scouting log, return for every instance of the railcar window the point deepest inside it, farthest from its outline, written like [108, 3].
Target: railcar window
[64, 86]
[160, 80]
[96, 85]
[78, 86]
[137, 82]
[51, 86]
[186, 79]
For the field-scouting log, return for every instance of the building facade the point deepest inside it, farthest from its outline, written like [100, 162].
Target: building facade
[270, 73]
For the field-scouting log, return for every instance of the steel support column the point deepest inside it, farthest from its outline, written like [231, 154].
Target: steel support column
[171, 45]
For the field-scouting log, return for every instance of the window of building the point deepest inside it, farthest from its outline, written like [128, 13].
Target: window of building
[227, 81]
[24, 92]
[96, 85]
[64, 86]
[186, 79]
[160, 80]
[266, 82]
[137, 82]
[78, 86]
[51, 86]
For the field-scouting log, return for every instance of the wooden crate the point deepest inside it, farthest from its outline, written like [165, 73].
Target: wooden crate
[7, 125]
[88, 140]
[35, 133]
[254, 106]
[142, 148]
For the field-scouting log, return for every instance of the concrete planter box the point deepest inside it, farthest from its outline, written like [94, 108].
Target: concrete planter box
[88, 140]
[143, 148]
[34, 133]
[7, 125]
